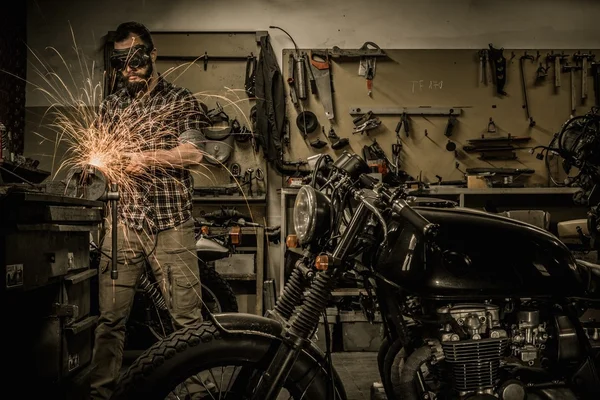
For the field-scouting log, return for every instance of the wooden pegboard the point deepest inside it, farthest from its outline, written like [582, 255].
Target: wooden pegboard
[444, 78]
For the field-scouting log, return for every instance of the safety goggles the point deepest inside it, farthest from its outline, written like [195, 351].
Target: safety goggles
[136, 57]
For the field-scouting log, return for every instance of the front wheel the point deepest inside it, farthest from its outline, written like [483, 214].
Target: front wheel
[202, 363]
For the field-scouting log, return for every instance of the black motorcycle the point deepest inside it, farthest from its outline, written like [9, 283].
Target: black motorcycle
[474, 305]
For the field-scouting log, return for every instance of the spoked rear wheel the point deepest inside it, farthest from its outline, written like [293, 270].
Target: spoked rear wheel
[200, 363]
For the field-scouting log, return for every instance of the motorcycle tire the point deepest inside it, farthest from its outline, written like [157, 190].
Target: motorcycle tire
[392, 368]
[383, 349]
[189, 351]
[216, 291]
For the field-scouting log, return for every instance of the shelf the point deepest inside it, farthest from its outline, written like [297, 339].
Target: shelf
[455, 191]
[341, 292]
[441, 190]
[229, 199]
[238, 277]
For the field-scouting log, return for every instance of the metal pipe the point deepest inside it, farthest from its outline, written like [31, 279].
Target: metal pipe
[114, 199]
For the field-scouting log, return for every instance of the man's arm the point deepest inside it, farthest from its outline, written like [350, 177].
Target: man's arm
[189, 152]
[185, 155]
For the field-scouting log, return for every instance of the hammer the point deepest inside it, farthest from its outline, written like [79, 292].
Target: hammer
[584, 58]
[571, 70]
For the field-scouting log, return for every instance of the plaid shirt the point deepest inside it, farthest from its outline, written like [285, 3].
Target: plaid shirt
[162, 198]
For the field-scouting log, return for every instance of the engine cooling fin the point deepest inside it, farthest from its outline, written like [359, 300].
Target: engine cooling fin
[475, 363]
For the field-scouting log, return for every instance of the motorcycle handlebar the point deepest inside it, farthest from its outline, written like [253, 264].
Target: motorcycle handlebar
[422, 224]
[399, 206]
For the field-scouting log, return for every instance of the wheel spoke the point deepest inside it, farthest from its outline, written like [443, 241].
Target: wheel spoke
[234, 382]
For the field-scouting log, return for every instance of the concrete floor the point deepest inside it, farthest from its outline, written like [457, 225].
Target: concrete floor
[358, 371]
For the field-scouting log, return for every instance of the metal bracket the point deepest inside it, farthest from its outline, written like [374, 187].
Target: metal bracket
[447, 111]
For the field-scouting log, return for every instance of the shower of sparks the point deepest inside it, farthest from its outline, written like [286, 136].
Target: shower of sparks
[106, 146]
[96, 145]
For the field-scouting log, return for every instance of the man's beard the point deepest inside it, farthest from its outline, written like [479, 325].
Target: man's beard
[135, 87]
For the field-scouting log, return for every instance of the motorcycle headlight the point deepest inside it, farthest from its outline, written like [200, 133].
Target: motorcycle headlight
[311, 214]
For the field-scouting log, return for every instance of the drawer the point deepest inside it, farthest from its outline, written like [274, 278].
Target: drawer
[77, 294]
[77, 346]
[35, 258]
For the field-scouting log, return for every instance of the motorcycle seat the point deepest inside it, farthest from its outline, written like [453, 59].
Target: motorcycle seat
[209, 250]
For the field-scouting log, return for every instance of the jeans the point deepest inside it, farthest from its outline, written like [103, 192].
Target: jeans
[174, 264]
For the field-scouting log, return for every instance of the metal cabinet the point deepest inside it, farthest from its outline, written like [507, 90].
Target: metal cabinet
[47, 290]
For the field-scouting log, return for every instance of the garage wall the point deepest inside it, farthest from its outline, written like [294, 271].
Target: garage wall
[399, 24]
[415, 24]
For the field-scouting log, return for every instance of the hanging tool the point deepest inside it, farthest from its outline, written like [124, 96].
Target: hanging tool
[320, 65]
[557, 59]
[286, 133]
[313, 83]
[571, 70]
[366, 69]
[540, 74]
[307, 122]
[290, 80]
[337, 143]
[483, 61]
[365, 123]
[300, 76]
[403, 122]
[318, 143]
[370, 74]
[499, 62]
[452, 121]
[584, 58]
[295, 71]
[235, 172]
[250, 81]
[596, 77]
[368, 49]
[491, 127]
[524, 85]
[451, 147]
[396, 150]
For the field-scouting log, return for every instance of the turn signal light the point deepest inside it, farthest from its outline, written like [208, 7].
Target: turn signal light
[204, 230]
[291, 241]
[322, 262]
[235, 235]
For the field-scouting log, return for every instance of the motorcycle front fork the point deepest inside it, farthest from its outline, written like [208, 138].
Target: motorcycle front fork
[297, 331]
[296, 336]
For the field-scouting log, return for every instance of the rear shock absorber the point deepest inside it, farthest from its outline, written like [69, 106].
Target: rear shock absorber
[153, 292]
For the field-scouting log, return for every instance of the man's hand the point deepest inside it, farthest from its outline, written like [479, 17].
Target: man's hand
[136, 164]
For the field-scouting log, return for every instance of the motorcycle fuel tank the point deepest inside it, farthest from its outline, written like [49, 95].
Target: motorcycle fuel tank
[481, 255]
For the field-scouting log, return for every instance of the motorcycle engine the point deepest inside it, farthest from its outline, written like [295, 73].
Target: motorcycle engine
[475, 343]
